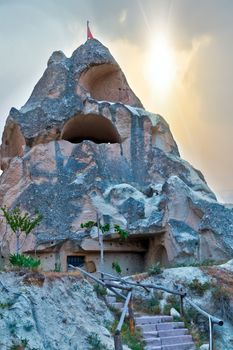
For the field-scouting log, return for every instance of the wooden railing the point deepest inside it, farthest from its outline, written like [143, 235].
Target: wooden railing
[127, 308]
[110, 282]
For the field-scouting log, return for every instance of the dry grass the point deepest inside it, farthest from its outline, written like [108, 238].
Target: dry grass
[52, 274]
[224, 278]
[140, 276]
[38, 278]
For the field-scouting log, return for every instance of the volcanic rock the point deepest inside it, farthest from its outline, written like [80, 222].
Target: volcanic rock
[83, 143]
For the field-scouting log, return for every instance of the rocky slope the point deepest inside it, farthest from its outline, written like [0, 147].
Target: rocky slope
[52, 312]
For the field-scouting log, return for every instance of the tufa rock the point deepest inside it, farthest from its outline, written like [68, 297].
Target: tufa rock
[83, 143]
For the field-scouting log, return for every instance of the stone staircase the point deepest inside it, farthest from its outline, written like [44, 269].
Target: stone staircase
[159, 332]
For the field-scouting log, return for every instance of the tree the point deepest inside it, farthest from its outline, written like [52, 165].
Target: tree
[102, 229]
[20, 223]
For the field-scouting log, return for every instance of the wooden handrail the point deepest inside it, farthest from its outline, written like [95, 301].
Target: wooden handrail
[127, 307]
[212, 319]
[128, 302]
[123, 314]
[98, 281]
[152, 286]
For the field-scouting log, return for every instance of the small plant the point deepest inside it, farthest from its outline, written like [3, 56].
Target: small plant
[100, 290]
[204, 263]
[172, 301]
[95, 342]
[198, 287]
[24, 261]
[20, 223]
[122, 233]
[13, 327]
[149, 306]
[19, 345]
[6, 305]
[105, 228]
[88, 224]
[134, 341]
[155, 269]
[57, 267]
[197, 325]
[116, 267]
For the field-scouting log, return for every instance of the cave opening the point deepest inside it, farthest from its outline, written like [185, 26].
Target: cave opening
[90, 127]
[106, 82]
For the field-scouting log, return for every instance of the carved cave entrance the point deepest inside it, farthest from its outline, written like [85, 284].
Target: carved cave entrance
[91, 127]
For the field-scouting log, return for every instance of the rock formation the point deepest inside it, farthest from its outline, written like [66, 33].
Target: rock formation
[83, 143]
[51, 312]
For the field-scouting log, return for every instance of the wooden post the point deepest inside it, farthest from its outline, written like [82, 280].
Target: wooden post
[131, 316]
[182, 305]
[101, 243]
[117, 341]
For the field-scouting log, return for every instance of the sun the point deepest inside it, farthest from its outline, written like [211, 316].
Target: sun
[161, 65]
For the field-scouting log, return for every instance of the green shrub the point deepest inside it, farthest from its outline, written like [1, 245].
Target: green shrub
[149, 306]
[95, 342]
[134, 341]
[22, 344]
[6, 304]
[88, 224]
[24, 261]
[155, 269]
[100, 290]
[106, 228]
[57, 267]
[116, 267]
[197, 325]
[172, 301]
[198, 287]
[122, 233]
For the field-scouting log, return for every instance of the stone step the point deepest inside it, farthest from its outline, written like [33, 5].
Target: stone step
[171, 332]
[169, 325]
[152, 319]
[110, 299]
[183, 346]
[180, 339]
[153, 341]
[117, 305]
[160, 326]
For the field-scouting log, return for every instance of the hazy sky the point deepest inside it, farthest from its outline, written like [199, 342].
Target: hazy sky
[193, 91]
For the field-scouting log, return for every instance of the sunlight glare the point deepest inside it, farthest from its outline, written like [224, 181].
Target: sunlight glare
[161, 65]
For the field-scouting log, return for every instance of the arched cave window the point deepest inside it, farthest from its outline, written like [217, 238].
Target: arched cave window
[106, 82]
[91, 127]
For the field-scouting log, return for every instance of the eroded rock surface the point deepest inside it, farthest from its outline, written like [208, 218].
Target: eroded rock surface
[84, 143]
[53, 312]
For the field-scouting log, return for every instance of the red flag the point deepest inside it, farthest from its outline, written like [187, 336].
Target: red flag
[89, 33]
